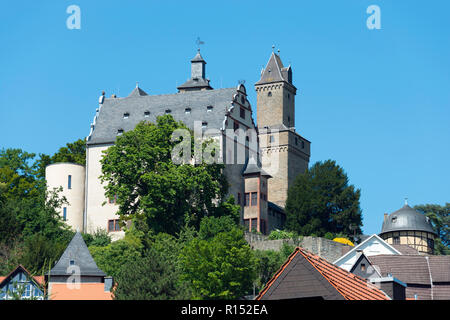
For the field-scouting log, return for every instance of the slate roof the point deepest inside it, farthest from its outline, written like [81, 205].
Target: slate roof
[414, 269]
[111, 118]
[253, 167]
[406, 218]
[275, 71]
[305, 273]
[405, 249]
[79, 253]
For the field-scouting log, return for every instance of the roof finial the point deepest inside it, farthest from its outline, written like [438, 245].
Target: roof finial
[406, 201]
[273, 47]
[137, 84]
[199, 42]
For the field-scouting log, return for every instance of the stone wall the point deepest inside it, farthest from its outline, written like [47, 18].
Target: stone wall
[324, 248]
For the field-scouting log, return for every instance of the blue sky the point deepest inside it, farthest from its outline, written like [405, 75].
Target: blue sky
[376, 101]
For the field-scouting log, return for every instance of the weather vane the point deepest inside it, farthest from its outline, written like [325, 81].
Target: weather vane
[199, 43]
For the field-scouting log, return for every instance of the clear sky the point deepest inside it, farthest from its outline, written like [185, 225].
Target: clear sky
[375, 100]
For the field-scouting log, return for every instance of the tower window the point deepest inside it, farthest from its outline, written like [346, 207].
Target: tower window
[242, 100]
[242, 113]
[69, 182]
[269, 94]
[254, 198]
[296, 141]
[65, 214]
[272, 139]
[247, 199]
[396, 240]
[303, 144]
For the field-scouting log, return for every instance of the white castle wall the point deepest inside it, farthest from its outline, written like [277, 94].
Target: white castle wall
[57, 175]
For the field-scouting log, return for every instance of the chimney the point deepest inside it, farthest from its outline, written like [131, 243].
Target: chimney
[391, 286]
[108, 284]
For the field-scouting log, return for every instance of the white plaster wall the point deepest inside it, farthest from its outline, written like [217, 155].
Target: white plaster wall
[97, 211]
[56, 176]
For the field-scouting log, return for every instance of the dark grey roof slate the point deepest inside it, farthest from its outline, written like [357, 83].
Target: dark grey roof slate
[195, 83]
[253, 167]
[79, 253]
[111, 114]
[275, 71]
[406, 218]
[198, 58]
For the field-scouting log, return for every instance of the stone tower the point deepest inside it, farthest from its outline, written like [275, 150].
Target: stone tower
[284, 152]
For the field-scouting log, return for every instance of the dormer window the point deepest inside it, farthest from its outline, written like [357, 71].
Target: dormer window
[147, 114]
[119, 132]
[126, 115]
[209, 108]
[187, 110]
[204, 124]
[394, 219]
[168, 111]
[72, 262]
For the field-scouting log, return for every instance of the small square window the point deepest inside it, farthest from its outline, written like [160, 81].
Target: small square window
[209, 108]
[168, 111]
[119, 132]
[147, 114]
[187, 110]
[204, 124]
[126, 115]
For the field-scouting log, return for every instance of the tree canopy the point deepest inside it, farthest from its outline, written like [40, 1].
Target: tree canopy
[440, 220]
[138, 170]
[321, 201]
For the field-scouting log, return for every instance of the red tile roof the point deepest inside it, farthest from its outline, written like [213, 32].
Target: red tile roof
[350, 286]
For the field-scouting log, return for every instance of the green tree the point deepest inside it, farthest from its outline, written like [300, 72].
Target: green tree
[74, 152]
[139, 171]
[321, 200]
[112, 257]
[222, 267]
[153, 277]
[440, 220]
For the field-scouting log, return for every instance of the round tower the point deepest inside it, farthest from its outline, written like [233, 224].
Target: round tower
[71, 177]
[407, 226]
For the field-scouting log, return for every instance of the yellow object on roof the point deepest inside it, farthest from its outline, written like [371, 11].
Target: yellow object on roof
[344, 241]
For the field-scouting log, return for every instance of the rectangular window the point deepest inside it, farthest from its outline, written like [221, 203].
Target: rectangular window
[235, 126]
[254, 223]
[254, 198]
[69, 182]
[396, 240]
[113, 225]
[65, 214]
[239, 198]
[246, 224]
[242, 113]
[363, 267]
[247, 199]
[272, 139]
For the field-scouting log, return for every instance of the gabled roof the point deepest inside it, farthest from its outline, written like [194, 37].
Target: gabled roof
[365, 245]
[39, 280]
[306, 274]
[78, 252]
[414, 269]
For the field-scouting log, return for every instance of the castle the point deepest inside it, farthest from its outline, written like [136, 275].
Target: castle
[273, 152]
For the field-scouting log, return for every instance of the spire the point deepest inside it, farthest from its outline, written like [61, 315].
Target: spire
[77, 254]
[275, 71]
[198, 71]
